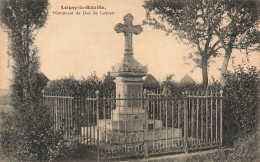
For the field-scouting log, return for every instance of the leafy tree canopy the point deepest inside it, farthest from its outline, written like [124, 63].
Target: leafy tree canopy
[206, 25]
[27, 133]
[19, 14]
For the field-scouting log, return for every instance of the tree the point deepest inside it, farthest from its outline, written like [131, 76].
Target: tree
[108, 85]
[21, 20]
[27, 134]
[205, 25]
[237, 28]
[169, 86]
[192, 21]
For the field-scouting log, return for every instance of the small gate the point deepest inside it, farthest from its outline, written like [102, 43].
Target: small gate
[147, 125]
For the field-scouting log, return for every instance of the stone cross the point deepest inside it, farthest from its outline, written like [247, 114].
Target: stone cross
[128, 29]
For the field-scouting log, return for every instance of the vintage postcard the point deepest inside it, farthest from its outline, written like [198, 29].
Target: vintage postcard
[141, 44]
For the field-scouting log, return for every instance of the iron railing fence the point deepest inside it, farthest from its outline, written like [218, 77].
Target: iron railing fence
[150, 124]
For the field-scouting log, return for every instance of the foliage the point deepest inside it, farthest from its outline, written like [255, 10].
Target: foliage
[240, 104]
[18, 15]
[21, 19]
[192, 21]
[92, 83]
[108, 84]
[238, 27]
[27, 133]
[86, 87]
[29, 140]
[245, 149]
[206, 25]
[170, 85]
[65, 85]
[77, 151]
[176, 89]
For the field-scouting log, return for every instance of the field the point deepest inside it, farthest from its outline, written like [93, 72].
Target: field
[5, 108]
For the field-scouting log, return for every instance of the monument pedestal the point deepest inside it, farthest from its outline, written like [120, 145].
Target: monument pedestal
[128, 118]
[127, 123]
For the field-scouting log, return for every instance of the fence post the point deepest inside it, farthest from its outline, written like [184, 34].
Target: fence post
[146, 149]
[97, 100]
[221, 122]
[185, 123]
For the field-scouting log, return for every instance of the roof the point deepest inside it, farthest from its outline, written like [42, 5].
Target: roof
[150, 79]
[43, 77]
[187, 79]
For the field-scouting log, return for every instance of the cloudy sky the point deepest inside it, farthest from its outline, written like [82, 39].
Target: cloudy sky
[80, 44]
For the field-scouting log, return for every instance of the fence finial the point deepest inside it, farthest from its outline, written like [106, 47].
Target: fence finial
[221, 92]
[144, 92]
[97, 93]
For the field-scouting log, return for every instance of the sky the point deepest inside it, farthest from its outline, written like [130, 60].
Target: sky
[81, 44]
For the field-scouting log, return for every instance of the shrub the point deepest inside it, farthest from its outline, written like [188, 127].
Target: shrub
[29, 140]
[240, 104]
[86, 87]
[245, 149]
[65, 85]
[76, 151]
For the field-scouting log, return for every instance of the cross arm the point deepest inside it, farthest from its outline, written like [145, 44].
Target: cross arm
[120, 28]
[137, 29]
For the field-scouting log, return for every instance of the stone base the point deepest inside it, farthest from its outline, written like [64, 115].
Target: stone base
[130, 118]
[128, 126]
[115, 137]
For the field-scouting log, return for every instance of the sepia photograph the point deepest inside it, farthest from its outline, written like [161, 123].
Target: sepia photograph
[129, 80]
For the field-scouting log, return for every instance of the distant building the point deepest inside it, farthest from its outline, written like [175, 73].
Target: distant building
[43, 80]
[187, 80]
